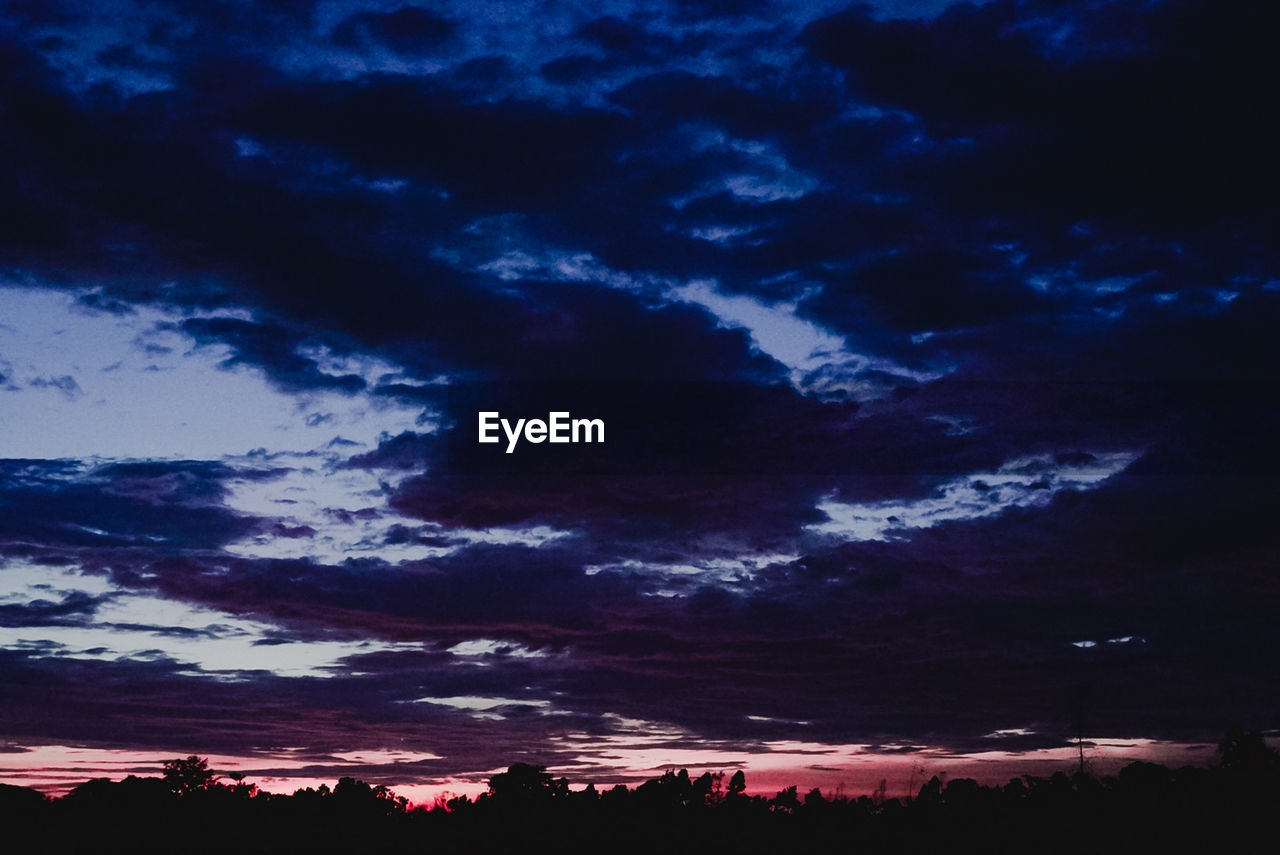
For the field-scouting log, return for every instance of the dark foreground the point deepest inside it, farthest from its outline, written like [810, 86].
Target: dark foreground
[1232, 806]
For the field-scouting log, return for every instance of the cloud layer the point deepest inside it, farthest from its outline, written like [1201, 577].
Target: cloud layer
[929, 349]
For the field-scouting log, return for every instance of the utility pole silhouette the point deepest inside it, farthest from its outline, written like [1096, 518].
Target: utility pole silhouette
[1080, 699]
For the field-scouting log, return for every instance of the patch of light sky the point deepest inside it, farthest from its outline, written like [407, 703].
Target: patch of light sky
[760, 173]
[83, 383]
[504, 247]
[348, 511]
[313, 173]
[820, 361]
[726, 235]
[684, 579]
[483, 651]
[1024, 482]
[488, 708]
[1124, 639]
[1113, 293]
[575, 267]
[130, 625]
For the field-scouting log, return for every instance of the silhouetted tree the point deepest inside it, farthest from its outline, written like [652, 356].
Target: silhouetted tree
[1147, 808]
[786, 801]
[1246, 753]
[524, 784]
[241, 787]
[931, 792]
[457, 803]
[673, 789]
[189, 775]
[705, 790]
[357, 796]
[14, 799]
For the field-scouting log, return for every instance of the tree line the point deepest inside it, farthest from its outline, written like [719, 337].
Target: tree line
[1146, 807]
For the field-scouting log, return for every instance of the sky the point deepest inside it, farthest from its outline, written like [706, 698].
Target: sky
[935, 345]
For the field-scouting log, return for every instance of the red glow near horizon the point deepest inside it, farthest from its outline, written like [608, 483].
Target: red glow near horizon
[848, 770]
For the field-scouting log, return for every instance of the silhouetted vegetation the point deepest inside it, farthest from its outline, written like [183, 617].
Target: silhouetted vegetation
[1146, 807]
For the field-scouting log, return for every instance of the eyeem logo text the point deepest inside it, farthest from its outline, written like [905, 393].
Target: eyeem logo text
[557, 428]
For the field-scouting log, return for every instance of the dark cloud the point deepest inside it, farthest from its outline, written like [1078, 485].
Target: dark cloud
[739, 109]
[181, 482]
[1076, 110]
[931, 289]
[126, 56]
[720, 9]
[73, 609]
[271, 348]
[116, 514]
[483, 153]
[575, 67]
[66, 384]
[266, 224]
[90, 515]
[408, 30]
